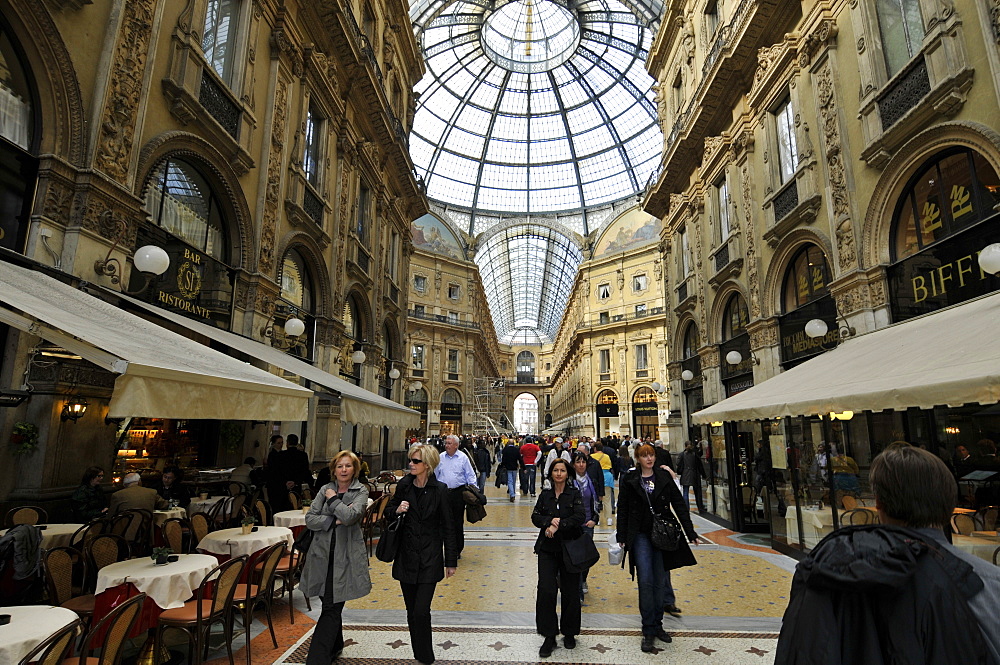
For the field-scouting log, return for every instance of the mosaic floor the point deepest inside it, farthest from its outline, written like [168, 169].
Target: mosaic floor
[732, 603]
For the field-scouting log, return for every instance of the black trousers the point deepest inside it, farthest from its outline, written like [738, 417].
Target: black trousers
[417, 598]
[552, 578]
[328, 637]
[458, 516]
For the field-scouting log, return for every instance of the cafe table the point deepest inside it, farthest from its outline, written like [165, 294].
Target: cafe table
[161, 516]
[290, 518]
[55, 535]
[980, 546]
[168, 585]
[204, 505]
[29, 626]
[232, 542]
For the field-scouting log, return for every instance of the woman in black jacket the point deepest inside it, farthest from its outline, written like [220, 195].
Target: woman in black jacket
[559, 513]
[650, 486]
[428, 549]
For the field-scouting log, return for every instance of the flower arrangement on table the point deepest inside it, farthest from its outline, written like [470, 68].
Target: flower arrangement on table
[161, 555]
[247, 523]
[305, 505]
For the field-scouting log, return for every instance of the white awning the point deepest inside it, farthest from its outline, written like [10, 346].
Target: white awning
[358, 406]
[949, 357]
[162, 374]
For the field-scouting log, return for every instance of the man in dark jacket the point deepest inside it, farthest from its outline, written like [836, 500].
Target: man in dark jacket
[895, 592]
[510, 460]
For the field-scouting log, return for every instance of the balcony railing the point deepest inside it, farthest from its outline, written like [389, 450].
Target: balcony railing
[218, 104]
[441, 318]
[620, 318]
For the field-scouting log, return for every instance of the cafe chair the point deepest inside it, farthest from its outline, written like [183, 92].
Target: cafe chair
[102, 551]
[110, 634]
[212, 604]
[962, 524]
[134, 526]
[236, 487]
[288, 571]
[61, 565]
[173, 530]
[201, 526]
[217, 515]
[54, 648]
[988, 518]
[373, 519]
[262, 511]
[996, 555]
[249, 596]
[25, 515]
[857, 517]
[307, 494]
[85, 534]
[849, 502]
[293, 498]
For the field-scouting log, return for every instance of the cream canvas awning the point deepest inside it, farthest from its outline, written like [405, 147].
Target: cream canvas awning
[358, 406]
[161, 373]
[949, 357]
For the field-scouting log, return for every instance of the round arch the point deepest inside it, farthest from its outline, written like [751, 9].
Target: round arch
[451, 396]
[361, 315]
[789, 247]
[606, 396]
[391, 339]
[216, 170]
[310, 252]
[681, 330]
[722, 296]
[877, 228]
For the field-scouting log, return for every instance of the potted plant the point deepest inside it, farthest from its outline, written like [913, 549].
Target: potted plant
[305, 505]
[24, 438]
[160, 555]
[247, 524]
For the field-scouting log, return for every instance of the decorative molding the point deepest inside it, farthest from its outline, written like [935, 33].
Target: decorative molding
[272, 194]
[753, 279]
[836, 171]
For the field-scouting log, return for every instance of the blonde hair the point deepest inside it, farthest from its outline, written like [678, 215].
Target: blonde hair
[428, 454]
[355, 462]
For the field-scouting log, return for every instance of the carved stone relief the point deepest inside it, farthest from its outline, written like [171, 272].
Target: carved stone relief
[753, 278]
[825, 88]
[272, 195]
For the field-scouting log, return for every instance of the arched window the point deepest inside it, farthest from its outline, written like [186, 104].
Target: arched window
[354, 324]
[690, 348]
[806, 279]
[607, 397]
[451, 396]
[18, 144]
[417, 399]
[952, 191]
[643, 395]
[180, 200]
[296, 286]
[525, 367]
[16, 112]
[734, 317]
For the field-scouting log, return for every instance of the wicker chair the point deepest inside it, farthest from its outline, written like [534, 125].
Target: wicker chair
[109, 635]
[25, 515]
[293, 498]
[262, 511]
[54, 648]
[173, 531]
[200, 527]
[60, 566]
[212, 604]
[102, 551]
[962, 524]
[261, 592]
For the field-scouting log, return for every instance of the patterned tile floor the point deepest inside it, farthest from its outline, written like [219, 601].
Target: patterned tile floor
[732, 603]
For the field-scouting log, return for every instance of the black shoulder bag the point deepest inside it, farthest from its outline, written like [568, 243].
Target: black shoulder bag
[388, 541]
[666, 533]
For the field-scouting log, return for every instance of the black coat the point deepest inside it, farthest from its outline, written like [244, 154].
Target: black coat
[690, 469]
[882, 595]
[596, 474]
[634, 516]
[569, 510]
[510, 458]
[428, 543]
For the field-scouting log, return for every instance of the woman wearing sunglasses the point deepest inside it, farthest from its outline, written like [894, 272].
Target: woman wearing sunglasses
[428, 548]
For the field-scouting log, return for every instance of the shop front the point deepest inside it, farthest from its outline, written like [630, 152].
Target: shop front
[645, 414]
[451, 413]
[607, 413]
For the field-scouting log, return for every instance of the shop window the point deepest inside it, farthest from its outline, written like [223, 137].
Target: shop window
[735, 318]
[180, 200]
[221, 37]
[806, 279]
[420, 283]
[603, 291]
[951, 192]
[902, 31]
[784, 122]
[311, 158]
[451, 396]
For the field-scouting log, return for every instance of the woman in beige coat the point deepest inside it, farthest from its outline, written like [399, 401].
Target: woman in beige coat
[335, 517]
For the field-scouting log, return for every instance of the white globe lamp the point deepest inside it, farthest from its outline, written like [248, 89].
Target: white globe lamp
[734, 357]
[294, 327]
[989, 258]
[151, 259]
[816, 328]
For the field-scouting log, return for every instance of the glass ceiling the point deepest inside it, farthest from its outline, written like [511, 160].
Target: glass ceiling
[528, 109]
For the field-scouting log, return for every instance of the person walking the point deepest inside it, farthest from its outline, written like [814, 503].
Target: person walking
[588, 495]
[510, 459]
[484, 463]
[455, 470]
[691, 472]
[337, 566]
[607, 465]
[428, 551]
[647, 491]
[530, 455]
[559, 514]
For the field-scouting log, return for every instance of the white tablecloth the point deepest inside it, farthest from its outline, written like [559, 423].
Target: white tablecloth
[980, 547]
[234, 543]
[168, 586]
[29, 626]
[203, 505]
[55, 535]
[290, 518]
[161, 516]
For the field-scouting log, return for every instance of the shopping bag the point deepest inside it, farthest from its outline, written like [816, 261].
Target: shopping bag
[616, 553]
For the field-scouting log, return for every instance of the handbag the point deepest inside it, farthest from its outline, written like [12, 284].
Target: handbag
[666, 534]
[388, 541]
[579, 554]
[303, 540]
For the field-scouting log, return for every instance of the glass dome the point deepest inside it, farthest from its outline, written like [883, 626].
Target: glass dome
[534, 106]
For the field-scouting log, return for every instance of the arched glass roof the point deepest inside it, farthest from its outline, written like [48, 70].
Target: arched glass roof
[534, 106]
[528, 271]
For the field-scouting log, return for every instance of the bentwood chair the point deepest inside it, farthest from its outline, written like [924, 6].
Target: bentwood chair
[25, 515]
[288, 571]
[260, 592]
[102, 551]
[858, 516]
[293, 498]
[237, 510]
[262, 511]
[54, 648]
[109, 635]
[850, 503]
[962, 524]
[60, 565]
[172, 531]
[996, 555]
[83, 536]
[200, 527]
[212, 604]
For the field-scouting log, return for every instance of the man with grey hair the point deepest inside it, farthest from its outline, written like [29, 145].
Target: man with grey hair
[134, 496]
[455, 470]
[895, 592]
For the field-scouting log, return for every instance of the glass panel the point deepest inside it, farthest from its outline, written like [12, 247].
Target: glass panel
[902, 31]
[219, 43]
[605, 361]
[295, 284]
[722, 204]
[806, 278]
[15, 97]
[310, 160]
[180, 201]
[788, 158]
[735, 318]
[417, 356]
[641, 356]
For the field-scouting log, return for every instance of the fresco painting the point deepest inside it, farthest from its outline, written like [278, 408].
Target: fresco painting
[432, 235]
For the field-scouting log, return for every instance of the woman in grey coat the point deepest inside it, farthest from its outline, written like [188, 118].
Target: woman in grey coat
[335, 516]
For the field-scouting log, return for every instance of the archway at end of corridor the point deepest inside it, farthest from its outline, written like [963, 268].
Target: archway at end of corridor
[526, 413]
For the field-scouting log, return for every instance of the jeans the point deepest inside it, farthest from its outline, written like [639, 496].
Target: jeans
[697, 496]
[511, 482]
[654, 583]
[553, 578]
[529, 473]
[328, 637]
[457, 504]
[481, 481]
[418, 618]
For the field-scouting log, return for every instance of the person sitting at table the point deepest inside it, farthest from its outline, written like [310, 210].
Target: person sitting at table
[337, 566]
[133, 496]
[895, 592]
[241, 474]
[89, 500]
[171, 488]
